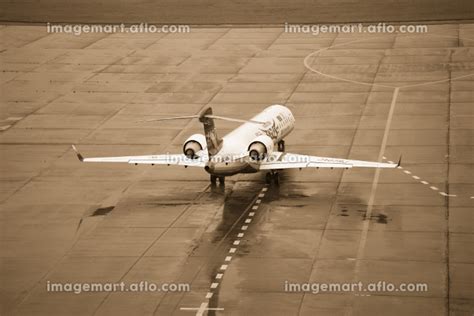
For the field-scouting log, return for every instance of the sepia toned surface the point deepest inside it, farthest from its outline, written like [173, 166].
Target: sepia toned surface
[212, 12]
[63, 221]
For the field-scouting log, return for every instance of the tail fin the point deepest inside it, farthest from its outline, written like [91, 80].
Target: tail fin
[214, 143]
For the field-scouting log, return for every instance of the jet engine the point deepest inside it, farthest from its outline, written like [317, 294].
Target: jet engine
[194, 144]
[260, 147]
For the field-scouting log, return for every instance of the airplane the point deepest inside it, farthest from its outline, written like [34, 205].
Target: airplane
[256, 145]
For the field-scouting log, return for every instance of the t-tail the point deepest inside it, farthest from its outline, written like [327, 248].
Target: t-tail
[214, 143]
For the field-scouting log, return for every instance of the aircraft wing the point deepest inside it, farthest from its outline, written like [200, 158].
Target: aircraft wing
[167, 159]
[282, 160]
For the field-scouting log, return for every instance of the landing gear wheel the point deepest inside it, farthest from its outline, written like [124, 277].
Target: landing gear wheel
[268, 178]
[221, 180]
[276, 178]
[272, 177]
[281, 146]
[213, 179]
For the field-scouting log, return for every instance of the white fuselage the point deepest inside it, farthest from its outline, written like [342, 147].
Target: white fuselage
[279, 123]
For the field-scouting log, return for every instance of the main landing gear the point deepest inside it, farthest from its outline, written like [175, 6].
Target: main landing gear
[214, 180]
[281, 146]
[272, 177]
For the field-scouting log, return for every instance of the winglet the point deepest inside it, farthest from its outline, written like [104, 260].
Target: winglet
[399, 161]
[79, 156]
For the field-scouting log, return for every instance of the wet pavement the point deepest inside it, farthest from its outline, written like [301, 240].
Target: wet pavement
[63, 221]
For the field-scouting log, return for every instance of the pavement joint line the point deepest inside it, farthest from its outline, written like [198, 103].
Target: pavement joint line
[248, 220]
[224, 267]
[219, 276]
[244, 227]
[14, 118]
[236, 242]
[228, 258]
[240, 235]
[251, 214]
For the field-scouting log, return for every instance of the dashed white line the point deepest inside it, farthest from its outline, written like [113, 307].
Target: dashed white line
[5, 127]
[223, 267]
[446, 194]
[425, 182]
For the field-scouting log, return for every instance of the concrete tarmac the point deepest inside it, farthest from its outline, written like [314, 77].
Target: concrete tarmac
[236, 246]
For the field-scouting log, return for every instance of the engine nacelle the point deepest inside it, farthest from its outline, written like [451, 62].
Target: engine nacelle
[260, 147]
[193, 144]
